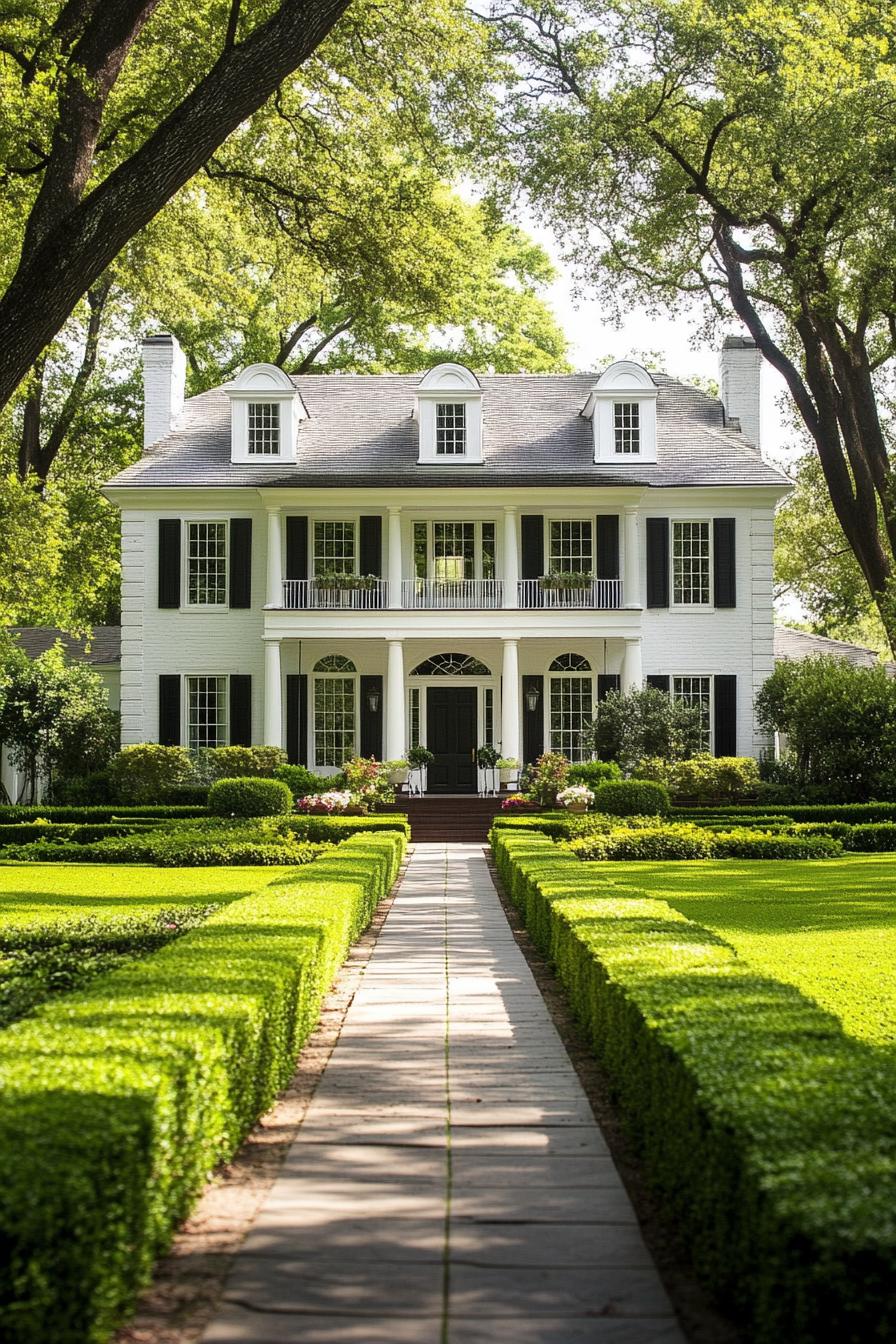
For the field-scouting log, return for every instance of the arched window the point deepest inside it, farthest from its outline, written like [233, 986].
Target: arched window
[570, 705]
[335, 710]
[451, 665]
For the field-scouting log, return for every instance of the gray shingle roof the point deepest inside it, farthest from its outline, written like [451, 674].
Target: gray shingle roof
[360, 432]
[794, 645]
[105, 642]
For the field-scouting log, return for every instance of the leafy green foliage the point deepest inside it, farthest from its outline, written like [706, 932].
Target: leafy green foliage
[646, 723]
[211, 763]
[592, 773]
[766, 1130]
[632, 797]
[118, 1102]
[249, 798]
[303, 782]
[704, 776]
[147, 772]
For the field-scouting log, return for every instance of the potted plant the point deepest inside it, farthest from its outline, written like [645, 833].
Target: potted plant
[509, 768]
[576, 798]
[420, 757]
[397, 771]
[487, 756]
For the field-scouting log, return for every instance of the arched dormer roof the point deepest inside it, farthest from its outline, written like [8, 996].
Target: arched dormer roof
[449, 414]
[453, 377]
[625, 373]
[622, 409]
[265, 410]
[261, 378]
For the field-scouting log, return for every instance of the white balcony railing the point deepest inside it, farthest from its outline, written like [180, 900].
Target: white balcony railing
[451, 594]
[312, 595]
[599, 594]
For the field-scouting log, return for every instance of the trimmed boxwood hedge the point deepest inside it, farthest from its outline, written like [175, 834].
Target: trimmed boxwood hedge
[695, 842]
[632, 798]
[117, 1101]
[79, 833]
[249, 797]
[182, 848]
[108, 812]
[337, 827]
[852, 812]
[768, 1131]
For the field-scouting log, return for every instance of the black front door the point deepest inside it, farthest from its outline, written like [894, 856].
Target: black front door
[451, 737]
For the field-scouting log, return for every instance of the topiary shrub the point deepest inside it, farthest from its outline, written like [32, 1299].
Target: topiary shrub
[645, 845]
[249, 798]
[593, 773]
[303, 781]
[149, 773]
[747, 844]
[632, 797]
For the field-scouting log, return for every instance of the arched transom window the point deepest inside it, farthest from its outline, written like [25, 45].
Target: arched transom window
[451, 665]
[335, 710]
[570, 704]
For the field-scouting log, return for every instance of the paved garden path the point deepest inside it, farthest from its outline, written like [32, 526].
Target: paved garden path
[449, 1184]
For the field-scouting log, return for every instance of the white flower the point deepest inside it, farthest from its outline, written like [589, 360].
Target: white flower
[576, 793]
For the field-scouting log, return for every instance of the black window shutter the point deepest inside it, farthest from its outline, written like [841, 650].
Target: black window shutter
[724, 576]
[725, 693]
[606, 682]
[169, 562]
[370, 546]
[169, 711]
[371, 721]
[240, 710]
[657, 562]
[241, 564]
[533, 720]
[296, 547]
[659, 681]
[531, 546]
[297, 719]
[607, 546]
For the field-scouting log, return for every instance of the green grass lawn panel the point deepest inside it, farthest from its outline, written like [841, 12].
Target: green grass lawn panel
[39, 893]
[117, 1101]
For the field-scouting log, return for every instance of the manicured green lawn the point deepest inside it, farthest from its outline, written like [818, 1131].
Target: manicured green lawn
[829, 928]
[41, 893]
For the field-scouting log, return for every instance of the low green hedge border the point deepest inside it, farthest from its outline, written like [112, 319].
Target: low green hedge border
[79, 833]
[336, 827]
[693, 842]
[767, 1130]
[853, 812]
[117, 1101]
[106, 812]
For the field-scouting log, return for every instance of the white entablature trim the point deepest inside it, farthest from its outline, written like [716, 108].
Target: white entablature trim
[264, 385]
[450, 385]
[624, 384]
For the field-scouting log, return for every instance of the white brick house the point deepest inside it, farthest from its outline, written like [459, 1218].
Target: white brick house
[340, 563]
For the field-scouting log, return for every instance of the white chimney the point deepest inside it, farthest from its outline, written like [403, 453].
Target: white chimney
[740, 369]
[164, 379]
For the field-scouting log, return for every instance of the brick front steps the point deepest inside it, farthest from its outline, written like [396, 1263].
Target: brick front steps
[464, 818]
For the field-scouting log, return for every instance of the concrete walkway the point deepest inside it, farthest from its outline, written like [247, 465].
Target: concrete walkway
[449, 1184]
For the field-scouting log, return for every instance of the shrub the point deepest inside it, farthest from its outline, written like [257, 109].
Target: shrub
[116, 1103]
[546, 778]
[631, 797]
[212, 845]
[213, 763]
[249, 798]
[654, 842]
[704, 776]
[747, 844]
[593, 773]
[78, 833]
[637, 724]
[54, 813]
[149, 773]
[766, 1129]
[879, 837]
[337, 828]
[302, 781]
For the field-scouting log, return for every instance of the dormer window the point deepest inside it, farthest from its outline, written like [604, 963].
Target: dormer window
[264, 429]
[449, 413]
[627, 426]
[451, 428]
[622, 409]
[265, 411]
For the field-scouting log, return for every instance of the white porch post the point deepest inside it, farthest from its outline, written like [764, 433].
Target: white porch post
[393, 569]
[275, 561]
[511, 563]
[631, 581]
[394, 746]
[510, 701]
[273, 697]
[631, 666]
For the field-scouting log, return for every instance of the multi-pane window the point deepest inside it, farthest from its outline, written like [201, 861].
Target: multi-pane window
[414, 717]
[334, 710]
[571, 546]
[421, 550]
[264, 428]
[571, 705]
[453, 551]
[207, 564]
[488, 551]
[690, 564]
[206, 712]
[334, 548]
[451, 428]
[696, 691]
[488, 716]
[627, 426]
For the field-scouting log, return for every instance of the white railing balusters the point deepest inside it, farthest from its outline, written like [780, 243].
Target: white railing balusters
[311, 595]
[599, 595]
[451, 594]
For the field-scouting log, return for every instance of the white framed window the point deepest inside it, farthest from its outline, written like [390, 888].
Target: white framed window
[264, 429]
[697, 691]
[206, 564]
[451, 428]
[627, 426]
[570, 705]
[335, 710]
[571, 546]
[333, 547]
[488, 716]
[449, 551]
[414, 716]
[206, 712]
[691, 564]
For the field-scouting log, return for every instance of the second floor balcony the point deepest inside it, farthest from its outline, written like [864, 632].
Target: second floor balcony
[362, 593]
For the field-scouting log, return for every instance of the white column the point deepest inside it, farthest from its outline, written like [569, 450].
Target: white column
[510, 701]
[394, 745]
[275, 561]
[511, 564]
[631, 575]
[631, 666]
[273, 696]
[393, 569]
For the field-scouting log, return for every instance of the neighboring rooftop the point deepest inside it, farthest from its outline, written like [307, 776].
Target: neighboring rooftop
[360, 432]
[794, 645]
[103, 647]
